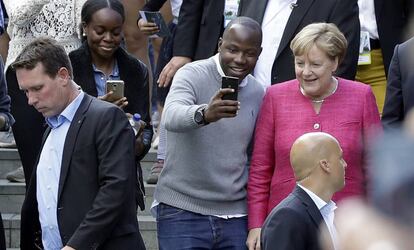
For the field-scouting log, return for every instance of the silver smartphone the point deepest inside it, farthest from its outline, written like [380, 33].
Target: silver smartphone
[117, 87]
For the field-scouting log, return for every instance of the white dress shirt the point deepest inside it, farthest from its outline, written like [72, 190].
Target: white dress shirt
[274, 22]
[327, 212]
[367, 18]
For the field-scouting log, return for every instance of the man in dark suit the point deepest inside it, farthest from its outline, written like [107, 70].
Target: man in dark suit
[200, 25]
[383, 25]
[289, 20]
[392, 18]
[319, 170]
[79, 196]
[399, 97]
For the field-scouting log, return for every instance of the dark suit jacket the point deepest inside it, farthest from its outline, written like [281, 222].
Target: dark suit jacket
[399, 98]
[95, 206]
[294, 224]
[343, 13]
[392, 21]
[199, 28]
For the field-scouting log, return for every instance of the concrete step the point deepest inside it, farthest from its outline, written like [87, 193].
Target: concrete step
[12, 196]
[147, 224]
[10, 160]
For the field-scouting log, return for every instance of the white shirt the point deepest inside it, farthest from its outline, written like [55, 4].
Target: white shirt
[367, 18]
[327, 212]
[175, 7]
[230, 10]
[274, 22]
[221, 72]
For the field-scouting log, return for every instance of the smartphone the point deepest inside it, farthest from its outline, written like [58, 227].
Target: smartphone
[232, 83]
[117, 87]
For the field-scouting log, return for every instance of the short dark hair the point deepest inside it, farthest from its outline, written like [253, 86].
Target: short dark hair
[43, 50]
[248, 23]
[92, 6]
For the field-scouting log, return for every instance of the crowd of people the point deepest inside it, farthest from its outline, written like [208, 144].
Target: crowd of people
[261, 165]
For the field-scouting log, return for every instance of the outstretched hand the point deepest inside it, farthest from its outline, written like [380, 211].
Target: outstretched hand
[218, 108]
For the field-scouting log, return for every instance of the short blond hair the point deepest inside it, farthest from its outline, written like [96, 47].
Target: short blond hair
[326, 36]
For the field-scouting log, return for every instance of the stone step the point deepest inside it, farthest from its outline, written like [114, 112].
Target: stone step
[147, 224]
[12, 196]
[10, 160]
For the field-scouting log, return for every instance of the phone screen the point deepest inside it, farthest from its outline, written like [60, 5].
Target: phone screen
[232, 83]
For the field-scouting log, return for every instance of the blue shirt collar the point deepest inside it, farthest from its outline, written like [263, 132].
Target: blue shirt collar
[67, 114]
[114, 73]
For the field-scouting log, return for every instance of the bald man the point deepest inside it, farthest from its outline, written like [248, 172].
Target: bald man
[319, 170]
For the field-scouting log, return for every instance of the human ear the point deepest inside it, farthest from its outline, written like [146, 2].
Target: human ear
[336, 64]
[63, 73]
[325, 165]
[220, 42]
[84, 28]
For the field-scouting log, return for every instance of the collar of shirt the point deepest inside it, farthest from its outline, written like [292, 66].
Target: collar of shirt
[114, 73]
[221, 72]
[67, 114]
[100, 78]
[316, 199]
[327, 212]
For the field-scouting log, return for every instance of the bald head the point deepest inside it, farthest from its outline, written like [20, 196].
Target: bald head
[248, 25]
[309, 150]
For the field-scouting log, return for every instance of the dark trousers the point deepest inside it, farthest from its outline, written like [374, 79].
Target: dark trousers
[2, 239]
[28, 128]
[164, 57]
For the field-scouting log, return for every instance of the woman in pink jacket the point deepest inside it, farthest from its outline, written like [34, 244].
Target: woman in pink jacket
[314, 101]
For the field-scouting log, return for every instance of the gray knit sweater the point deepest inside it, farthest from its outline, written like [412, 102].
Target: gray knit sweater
[205, 169]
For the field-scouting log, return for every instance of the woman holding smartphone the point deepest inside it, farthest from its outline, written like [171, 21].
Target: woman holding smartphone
[100, 59]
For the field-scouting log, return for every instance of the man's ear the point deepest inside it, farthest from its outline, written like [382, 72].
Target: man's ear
[220, 42]
[63, 73]
[324, 165]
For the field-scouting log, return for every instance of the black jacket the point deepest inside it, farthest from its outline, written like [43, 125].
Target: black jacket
[135, 75]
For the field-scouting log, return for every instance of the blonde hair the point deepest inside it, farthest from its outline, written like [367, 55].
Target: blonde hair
[325, 36]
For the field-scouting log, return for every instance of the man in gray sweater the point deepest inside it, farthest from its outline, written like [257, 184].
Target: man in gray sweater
[202, 188]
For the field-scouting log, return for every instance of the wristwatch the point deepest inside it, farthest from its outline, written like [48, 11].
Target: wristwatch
[199, 116]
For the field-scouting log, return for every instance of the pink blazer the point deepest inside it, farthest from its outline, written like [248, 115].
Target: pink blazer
[350, 115]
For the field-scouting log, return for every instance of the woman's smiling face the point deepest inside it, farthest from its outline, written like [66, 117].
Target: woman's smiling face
[314, 72]
[104, 33]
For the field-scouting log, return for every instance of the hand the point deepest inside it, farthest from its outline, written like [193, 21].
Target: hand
[218, 108]
[170, 69]
[122, 103]
[139, 139]
[253, 239]
[68, 248]
[147, 28]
